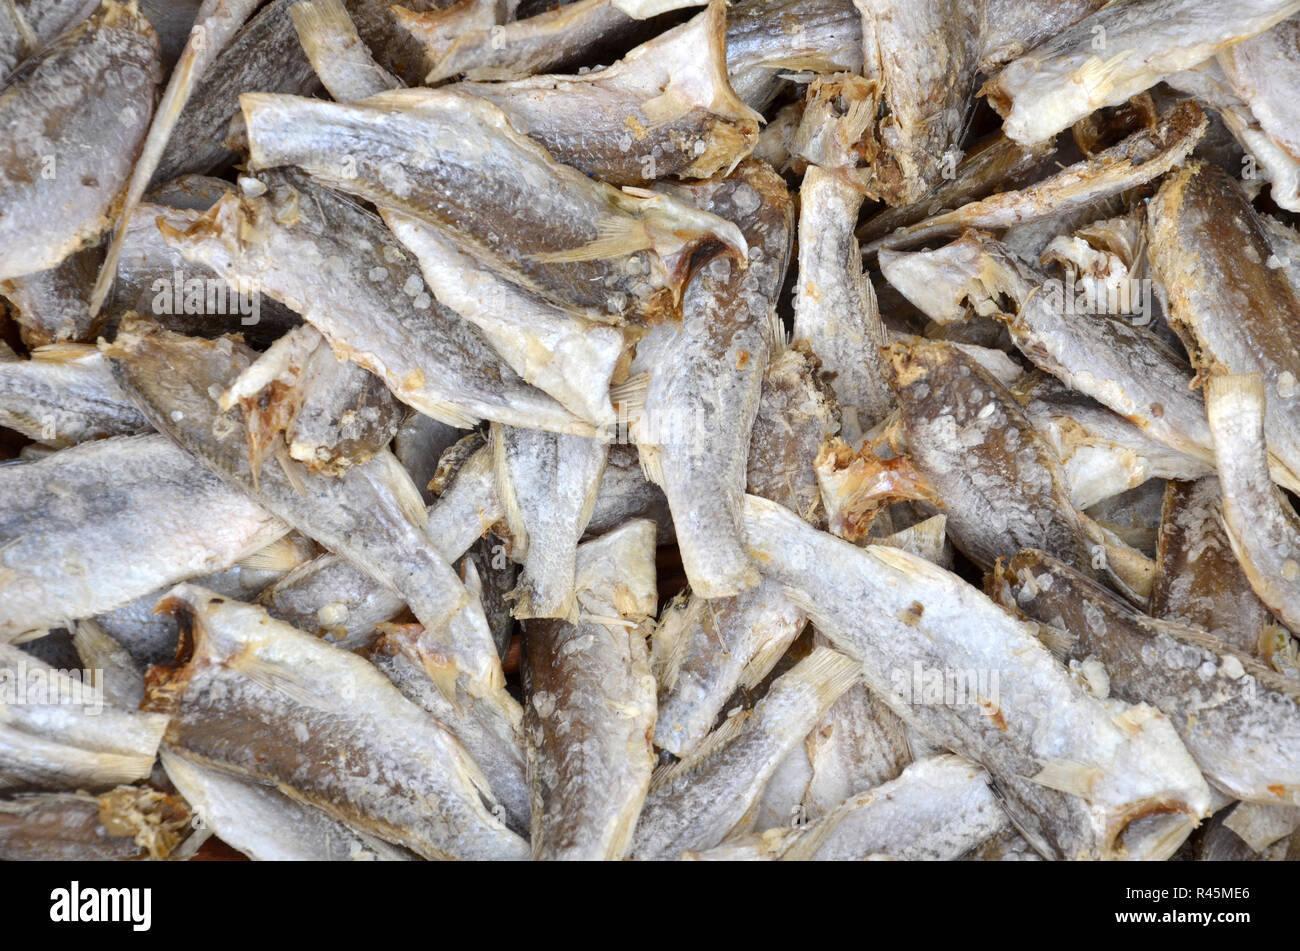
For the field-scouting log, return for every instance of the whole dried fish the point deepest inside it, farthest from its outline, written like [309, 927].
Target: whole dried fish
[246, 673]
[1262, 528]
[1120, 50]
[341, 514]
[1239, 719]
[1234, 313]
[589, 688]
[64, 395]
[93, 527]
[704, 389]
[579, 242]
[67, 155]
[1097, 768]
[693, 804]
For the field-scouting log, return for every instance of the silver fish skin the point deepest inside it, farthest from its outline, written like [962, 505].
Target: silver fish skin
[1068, 77]
[1239, 720]
[766, 38]
[625, 493]
[705, 388]
[247, 673]
[123, 679]
[64, 395]
[589, 688]
[152, 638]
[1199, 581]
[999, 481]
[1141, 157]
[1009, 28]
[666, 110]
[336, 599]
[564, 355]
[174, 380]
[547, 484]
[53, 306]
[835, 306]
[936, 810]
[1042, 735]
[705, 649]
[1102, 453]
[1235, 314]
[67, 155]
[65, 736]
[1265, 71]
[68, 521]
[265, 824]
[1260, 826]
[336, 51]
[264, 56]
[490, 733]
[128, 823]
[580, 243]
[1262, 527]
[456, 45]
[695, 803]
[373, 308]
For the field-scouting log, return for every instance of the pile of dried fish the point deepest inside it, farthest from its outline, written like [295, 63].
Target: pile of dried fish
[650, 429]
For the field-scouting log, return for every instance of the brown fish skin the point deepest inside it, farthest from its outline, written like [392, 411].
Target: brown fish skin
[1199, 581]
[1141, 157]
[67, 155]
[1000, 482]
[1239, 719]
[704, 394]
[124, 824]
[766, 38]
[1234, 313]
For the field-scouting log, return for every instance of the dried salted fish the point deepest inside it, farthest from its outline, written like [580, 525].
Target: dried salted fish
[340, 513]
[666, 110]
[547, 484]
[769, 38]
[1143, 156]
[1097, 768]
[579, 242]
[247, 673]
[1235, 313]
[53, 306]
[93, 527]
[1262, 528]
[457, 44]
[337, 53]
[265, 824]
[56, 731]
[1118, 51]
[63, 395]
[1239, 719]
[589, 687]
[937, 810]
[67, 155]
[705, 386]
[1265, 71]
[625, 493]
[693, 804]
[125, 824]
